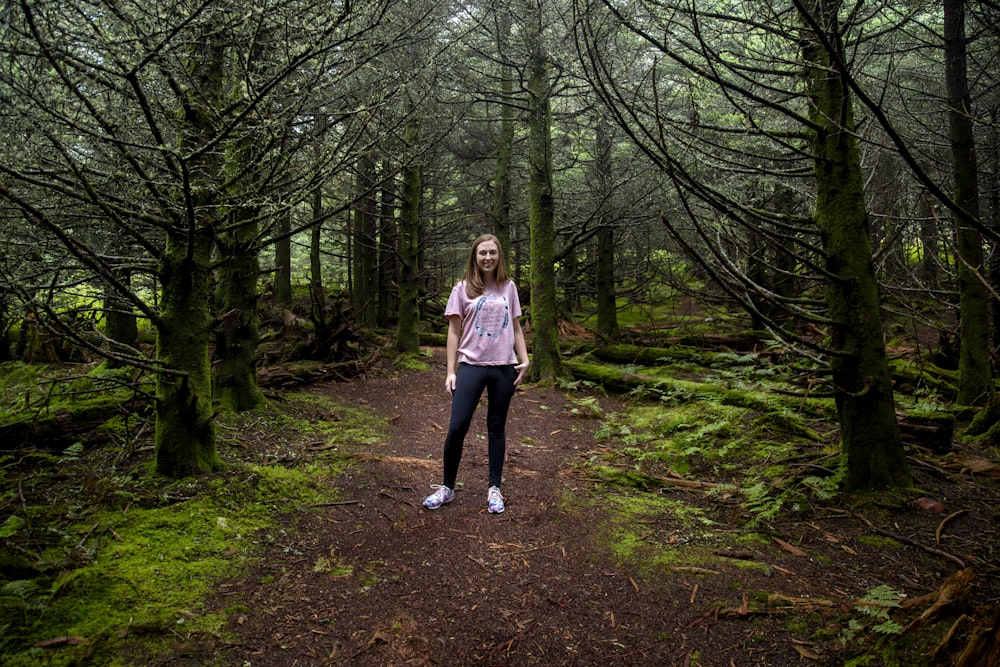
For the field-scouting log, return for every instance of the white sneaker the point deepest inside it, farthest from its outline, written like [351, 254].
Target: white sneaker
[494, 501]
[442, 496]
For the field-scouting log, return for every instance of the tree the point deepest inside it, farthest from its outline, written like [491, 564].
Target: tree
[975, 369]
[606, 294]
[653, 77]
[546, 360]
[166, 126]
[873, 451]
[407, 331]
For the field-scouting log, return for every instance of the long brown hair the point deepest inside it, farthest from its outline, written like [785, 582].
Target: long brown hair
[474, 278]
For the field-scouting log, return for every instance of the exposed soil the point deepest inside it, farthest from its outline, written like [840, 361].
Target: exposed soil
[537, 585]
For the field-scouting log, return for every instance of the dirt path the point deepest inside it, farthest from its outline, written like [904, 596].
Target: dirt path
[378, 580]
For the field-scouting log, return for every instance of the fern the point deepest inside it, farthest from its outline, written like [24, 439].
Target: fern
[23, 596]
[875, 606]
[10, 527]
[72, 453]
[588, 407]
[761, 502]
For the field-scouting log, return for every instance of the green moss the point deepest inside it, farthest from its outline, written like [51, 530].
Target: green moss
[758, 539]
[410, 362]
[134, 558]
[151, 571]
[340, 423]
[797, 626]
[634, 532]
[880, 542]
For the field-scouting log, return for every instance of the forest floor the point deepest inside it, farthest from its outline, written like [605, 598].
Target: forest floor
[373, 578]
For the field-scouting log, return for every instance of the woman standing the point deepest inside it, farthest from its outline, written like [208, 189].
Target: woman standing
[484, 335]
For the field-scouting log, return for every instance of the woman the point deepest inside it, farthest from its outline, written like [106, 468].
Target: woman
[484, 335]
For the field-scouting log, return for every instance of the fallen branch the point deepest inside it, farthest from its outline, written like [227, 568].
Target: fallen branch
[693, 570]
[945, 522]
[335, 503]
[912, 542]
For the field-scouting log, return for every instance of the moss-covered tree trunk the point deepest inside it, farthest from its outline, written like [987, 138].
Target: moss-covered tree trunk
[246, 170]
[606, 294]
[975, 374]
[317, 295]
[873, 450]
[408, 329]
[546, 363]
[5, 327]
[185, 430]
[237, 330]
[283, 261]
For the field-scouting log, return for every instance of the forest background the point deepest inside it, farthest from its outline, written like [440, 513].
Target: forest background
[201, 199]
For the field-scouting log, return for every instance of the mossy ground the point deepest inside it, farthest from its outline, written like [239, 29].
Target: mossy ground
[119, 556]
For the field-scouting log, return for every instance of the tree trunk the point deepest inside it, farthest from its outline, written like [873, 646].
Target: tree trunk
[5, 325]
[546, 363]
[975, 375]
[283, 262]
[120, 324]
[317, 295]
[873, 450]
[993, 188]
[185, 430]
[606, 294]
[317, 292]
[407, 330]
[929, 270]
[607, 299]
[365, 257]
[505, 139]
[388, 267]
[237, 331]
[184, 437]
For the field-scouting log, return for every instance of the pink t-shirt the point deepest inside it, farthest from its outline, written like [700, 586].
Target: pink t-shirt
[487, 337]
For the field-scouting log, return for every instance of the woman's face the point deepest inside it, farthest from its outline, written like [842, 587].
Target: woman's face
[487, 257]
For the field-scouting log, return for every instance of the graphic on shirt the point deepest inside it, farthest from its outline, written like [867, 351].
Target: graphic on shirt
[492, 315]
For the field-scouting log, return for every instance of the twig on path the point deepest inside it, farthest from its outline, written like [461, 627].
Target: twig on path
[477, 561]
[638, 651]
[336, 503]
[902, 538]
[398, 500]
[947, 520]
[516, 638]
[541, 546]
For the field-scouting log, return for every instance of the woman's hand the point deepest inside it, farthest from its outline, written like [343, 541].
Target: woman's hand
[449, 383]
[521, 370]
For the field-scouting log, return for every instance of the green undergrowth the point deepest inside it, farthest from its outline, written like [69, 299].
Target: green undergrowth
[32, 395]
[104, 559]
[755, 455]
[710, 457]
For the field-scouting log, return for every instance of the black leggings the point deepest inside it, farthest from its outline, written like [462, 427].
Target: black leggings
[469, 384]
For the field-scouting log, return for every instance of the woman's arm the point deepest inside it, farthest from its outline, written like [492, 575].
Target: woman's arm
[521, 350]
[454, 336]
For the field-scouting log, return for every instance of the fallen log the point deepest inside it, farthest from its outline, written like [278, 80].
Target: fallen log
[300, 373]
[58, 429]
[617, 380]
